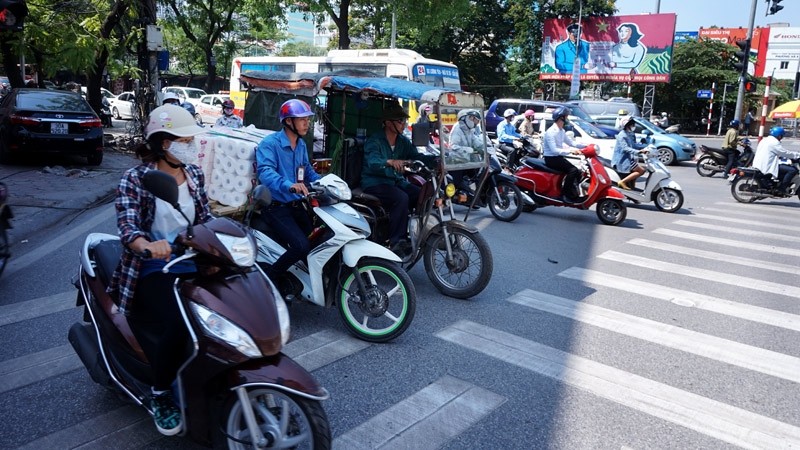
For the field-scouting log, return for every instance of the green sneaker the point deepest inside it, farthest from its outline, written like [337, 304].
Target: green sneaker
[166, 414]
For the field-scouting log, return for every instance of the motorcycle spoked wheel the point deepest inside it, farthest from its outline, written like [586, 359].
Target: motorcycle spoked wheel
[744, 189]
[668, 200]
[470, 270]
[506, 206]
[388, 307]
[611, 211]
[287, 420]
[5, 249]
[704, 171]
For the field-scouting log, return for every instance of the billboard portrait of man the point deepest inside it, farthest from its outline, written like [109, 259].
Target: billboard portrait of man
[566, 51]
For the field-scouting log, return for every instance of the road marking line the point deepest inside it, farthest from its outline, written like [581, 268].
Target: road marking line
[723, 350]
[323, 348]
[761, 223]
[703, 415]
[38, 307]
[102, 432]
[749, 233]
[685, 298]
[17, 263]
[727, 242]
[427, 419]
[749, 262]
[708, 275]
[760, 215]
[35, 367]
[768, 209]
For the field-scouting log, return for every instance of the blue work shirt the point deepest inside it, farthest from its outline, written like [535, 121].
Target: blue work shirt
[507, 132]
[277, 165]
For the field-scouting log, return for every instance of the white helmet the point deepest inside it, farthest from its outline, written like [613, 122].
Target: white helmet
[173, 120]
[169, 97]
[509, 112]
[663, 114]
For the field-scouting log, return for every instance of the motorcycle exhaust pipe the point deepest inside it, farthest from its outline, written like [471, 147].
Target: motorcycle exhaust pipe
[527, 200]
[84, 341]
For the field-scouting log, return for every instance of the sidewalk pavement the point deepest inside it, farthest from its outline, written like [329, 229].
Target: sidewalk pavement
[46, 191]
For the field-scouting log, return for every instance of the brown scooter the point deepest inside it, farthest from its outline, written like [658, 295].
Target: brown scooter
[234, 377]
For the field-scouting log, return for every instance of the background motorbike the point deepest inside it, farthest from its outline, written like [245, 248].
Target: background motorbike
[374, 295]
[457, 257]
[5, 224]
[714, 160]
[749, 184]
[234, 377]
[495, 189]
[545, 186]
[658, 186]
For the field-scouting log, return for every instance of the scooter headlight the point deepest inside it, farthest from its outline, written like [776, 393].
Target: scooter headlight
[450, 190]
[242, 249]
[221, 328]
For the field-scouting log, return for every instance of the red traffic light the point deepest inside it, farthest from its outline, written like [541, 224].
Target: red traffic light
[750, 86]
[12, 14]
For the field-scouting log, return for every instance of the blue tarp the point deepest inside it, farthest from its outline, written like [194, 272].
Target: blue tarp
[391, 87]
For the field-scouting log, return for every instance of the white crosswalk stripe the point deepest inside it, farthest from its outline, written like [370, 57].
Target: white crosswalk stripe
[707, 416]
[727, 212]
[758, 223]
[727, 242]
[732, 230]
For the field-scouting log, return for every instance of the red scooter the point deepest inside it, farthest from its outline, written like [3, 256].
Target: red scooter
[544, 185]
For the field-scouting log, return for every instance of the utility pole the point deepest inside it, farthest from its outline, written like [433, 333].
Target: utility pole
[147, 53]
[743, 77]
[722, 110]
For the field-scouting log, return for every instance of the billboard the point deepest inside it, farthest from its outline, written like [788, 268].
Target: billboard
[758, 45]
[616, 48]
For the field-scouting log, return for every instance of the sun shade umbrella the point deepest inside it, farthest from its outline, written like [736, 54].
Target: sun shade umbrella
[789, 110]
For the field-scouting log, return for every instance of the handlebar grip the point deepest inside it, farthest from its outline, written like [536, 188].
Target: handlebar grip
[146, 254]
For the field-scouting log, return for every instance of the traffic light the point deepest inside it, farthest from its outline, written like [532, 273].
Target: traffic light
[742, 57]
[12, 14]
[750, 86]
[774, 7]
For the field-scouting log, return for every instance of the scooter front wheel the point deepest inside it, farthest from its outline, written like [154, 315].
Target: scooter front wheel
[467, 272]
[668, 200]
[286, 420]
[704, 165]
[611, 211]
[385, 307]
[505, 202]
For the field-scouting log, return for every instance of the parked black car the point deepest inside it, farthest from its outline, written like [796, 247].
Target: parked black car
[48, 121]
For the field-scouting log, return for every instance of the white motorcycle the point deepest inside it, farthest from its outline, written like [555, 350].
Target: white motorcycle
[374, 295]
[658, 188]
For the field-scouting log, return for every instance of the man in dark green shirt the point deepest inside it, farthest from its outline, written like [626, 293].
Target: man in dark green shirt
[385, 155]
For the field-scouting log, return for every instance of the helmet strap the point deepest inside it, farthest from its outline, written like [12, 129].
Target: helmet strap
[170, 163]
[290, 127]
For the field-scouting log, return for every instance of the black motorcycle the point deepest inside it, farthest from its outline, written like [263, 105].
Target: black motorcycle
[714, 160]
[5, 224]
[749, 185]
[495, 189]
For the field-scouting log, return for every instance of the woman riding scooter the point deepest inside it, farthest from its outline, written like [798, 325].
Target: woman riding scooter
[148, 226]
[626, 155]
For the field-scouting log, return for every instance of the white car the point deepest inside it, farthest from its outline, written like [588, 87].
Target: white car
[582, 132]
[122, 105]
[186, 94]
[209, 108]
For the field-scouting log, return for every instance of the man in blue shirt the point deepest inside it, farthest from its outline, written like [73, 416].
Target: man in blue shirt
[507, 132]
[572, 46]
[283, 167]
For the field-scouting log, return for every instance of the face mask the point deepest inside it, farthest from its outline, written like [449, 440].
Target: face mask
[470, 124]
[185, 152]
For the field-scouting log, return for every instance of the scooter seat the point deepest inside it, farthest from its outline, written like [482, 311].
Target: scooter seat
[539, 164]
[360, 195]
[106, 256]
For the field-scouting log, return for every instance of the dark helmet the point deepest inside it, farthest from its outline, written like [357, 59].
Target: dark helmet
[734, 123]
[562, 112]
[394, 111]
[777, 132]
[228, 104]
[294, 108]
[469, 113]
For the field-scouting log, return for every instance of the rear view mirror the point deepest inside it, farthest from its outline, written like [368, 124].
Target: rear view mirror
[262, 195]
[162, 186]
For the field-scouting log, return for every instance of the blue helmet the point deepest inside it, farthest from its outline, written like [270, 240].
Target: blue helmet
[777, 132]
[562, 112]
[189, 107]
[734, 123]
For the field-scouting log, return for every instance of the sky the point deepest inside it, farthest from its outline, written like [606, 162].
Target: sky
[694, 14]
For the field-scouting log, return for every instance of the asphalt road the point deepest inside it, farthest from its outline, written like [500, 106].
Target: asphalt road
[668, 331]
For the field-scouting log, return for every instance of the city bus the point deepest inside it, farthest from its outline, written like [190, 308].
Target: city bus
[396, 63]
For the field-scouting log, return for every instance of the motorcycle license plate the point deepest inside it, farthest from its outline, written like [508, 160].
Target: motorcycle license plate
[59, 128]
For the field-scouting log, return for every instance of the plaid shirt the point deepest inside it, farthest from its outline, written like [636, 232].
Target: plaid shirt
[136, 209]
[232, 121]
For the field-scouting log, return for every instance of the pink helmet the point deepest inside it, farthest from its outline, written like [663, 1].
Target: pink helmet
[294, 108]
[528, 113]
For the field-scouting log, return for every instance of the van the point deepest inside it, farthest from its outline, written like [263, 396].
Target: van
[602, 108]
[186, 94]
[494, 115]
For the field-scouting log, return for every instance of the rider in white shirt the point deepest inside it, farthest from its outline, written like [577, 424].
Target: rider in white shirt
[556, 145]
[767, 158]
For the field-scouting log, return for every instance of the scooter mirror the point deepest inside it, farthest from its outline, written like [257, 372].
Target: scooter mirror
[262, 195]
[162, 186]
